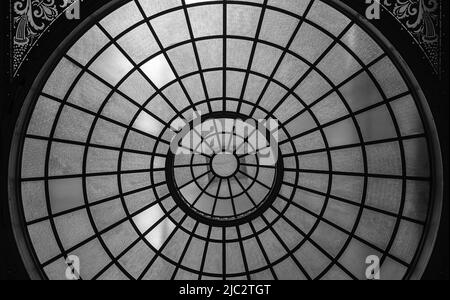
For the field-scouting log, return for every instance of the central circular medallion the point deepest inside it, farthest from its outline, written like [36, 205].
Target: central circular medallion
[219, 172]
[225, 164]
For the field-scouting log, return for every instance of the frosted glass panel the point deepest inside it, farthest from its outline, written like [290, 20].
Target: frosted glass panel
[118, 168]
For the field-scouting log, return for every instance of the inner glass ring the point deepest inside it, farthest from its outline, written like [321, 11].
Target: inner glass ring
[225, 164]
[221, 169]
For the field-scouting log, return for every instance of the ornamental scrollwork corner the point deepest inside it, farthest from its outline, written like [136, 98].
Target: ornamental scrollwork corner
[422, 19]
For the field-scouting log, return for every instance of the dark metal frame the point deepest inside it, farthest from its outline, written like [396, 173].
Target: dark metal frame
[419, 262]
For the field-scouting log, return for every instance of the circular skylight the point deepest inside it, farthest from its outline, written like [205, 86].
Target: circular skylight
[354, 175]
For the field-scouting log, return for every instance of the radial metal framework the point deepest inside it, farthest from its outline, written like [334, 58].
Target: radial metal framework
[357, 174]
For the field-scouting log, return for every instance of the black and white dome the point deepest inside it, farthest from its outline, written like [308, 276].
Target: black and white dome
[355, 173]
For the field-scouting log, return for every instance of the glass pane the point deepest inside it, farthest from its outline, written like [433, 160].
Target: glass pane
[242, 20]
[277, 27]
[88, 45]
[159, 71]
[65, 194]
[73, 228]
[322, 13]
[61, 79]
[171, 28]
[45, 245]
[139, 43]
[111, 65]
[206, 20]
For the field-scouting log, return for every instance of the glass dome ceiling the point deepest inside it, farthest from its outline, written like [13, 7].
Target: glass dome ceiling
[355, 174]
